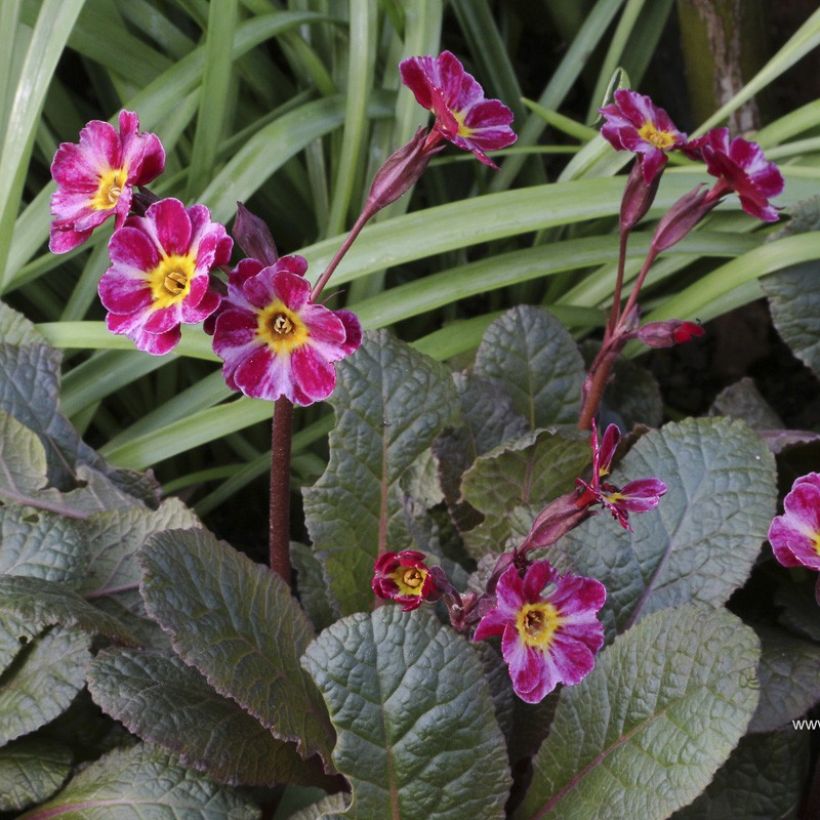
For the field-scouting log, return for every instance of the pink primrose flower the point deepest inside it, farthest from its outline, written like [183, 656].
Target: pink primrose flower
[95, 178]
[159, 274]
[403, 577]
[274, 340]
[741, 167]
[548, 626]
[635, 123]
[463, 115]
[795, 535]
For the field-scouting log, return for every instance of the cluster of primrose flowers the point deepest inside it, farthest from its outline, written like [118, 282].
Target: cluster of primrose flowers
[170, 265]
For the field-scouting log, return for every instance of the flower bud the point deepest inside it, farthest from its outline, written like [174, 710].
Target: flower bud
[403, 577]
[679, 220]
[253, 236]
[669, 333]
[638, 197]
[400, 172]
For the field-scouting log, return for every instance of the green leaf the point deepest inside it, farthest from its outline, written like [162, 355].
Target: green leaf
[701, 541]
[22, 459]
[762, 779]
[390, 404]
[160, 699]
[794, 301]
[742, 400]
[310, 582]
[113, 539]
[15, 633]
[41, 545]
[533, 357]
[789, 676]
[528, 473]
[143, 782]
[30, 771]
[43, 603]
[42, 681]
[325, 809]
[643, 734]
[404, 691]
[799, 606]
[236, 622]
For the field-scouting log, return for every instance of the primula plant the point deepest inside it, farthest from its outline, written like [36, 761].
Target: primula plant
[503, 587]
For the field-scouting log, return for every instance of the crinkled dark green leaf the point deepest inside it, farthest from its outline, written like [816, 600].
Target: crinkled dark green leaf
[40, 544]
[701, 541]
[40, 603]
[237, 623]
[16, 329]
[160, 699]
[487, 420]
[417, 736]
[799, 611]
[310, 581]
[15, 633]
[643, 734]
[146, 782]
[804, 216]
[23, 464]
[31, 770]
[789, 677]
[42, 681]
[390, 403]
[762, 779]
[526, 473]
[794, 302]
[328, 808]
[742, 400]
[531, 354]
[113, 539]
[632, 397]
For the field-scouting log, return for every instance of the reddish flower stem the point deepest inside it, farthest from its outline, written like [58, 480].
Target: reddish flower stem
[636, 288]
[615, 313]
[279, 520]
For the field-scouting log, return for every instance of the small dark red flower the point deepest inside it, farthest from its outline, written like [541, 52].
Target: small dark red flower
[405, 578]
[741, 167]
[635, 123]
[463, 115]
[669, 333]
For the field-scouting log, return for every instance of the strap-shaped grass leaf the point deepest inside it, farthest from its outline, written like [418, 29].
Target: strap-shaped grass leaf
[42, 681]
[31, 770]
[701, 541]
[237, 623]
[390, 404]
[40, 603]
[160, 699]
[763, 778]
[41, 544]
[794, 300]
[789, 679]
[144, 781]
[417, 735]
[526, 473]
[537, 362]
[643, 734]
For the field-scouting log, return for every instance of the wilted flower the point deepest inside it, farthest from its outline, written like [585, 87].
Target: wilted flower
[795, 535]
[463, 115]
[548, 626]
[635, 123]
[740, 166]
[95, 178]
[403, 577]
[274, 340]
[159, 274]
[636, 496]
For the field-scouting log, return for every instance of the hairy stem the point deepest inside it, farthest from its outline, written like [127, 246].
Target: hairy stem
[279, 520]
[615, 313]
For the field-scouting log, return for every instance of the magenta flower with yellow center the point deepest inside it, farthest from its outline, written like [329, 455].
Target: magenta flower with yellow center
[795, 535]
[403, 577]
[95, 178]
[548, 625]
[463, 115]
[274, 340]
[635, 123]
[160, 273]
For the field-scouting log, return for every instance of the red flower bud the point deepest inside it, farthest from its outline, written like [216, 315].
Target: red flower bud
[638, 197]
[679, 220]
[669, 333]
[400, 172]
[253, 236]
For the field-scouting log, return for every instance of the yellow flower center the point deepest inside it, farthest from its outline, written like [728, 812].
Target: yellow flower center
[537, 624]
[816, 539]
[463, 130]
[660, 139]
[280, 328]
[109, 189]
[409, 580]
[170, 281]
